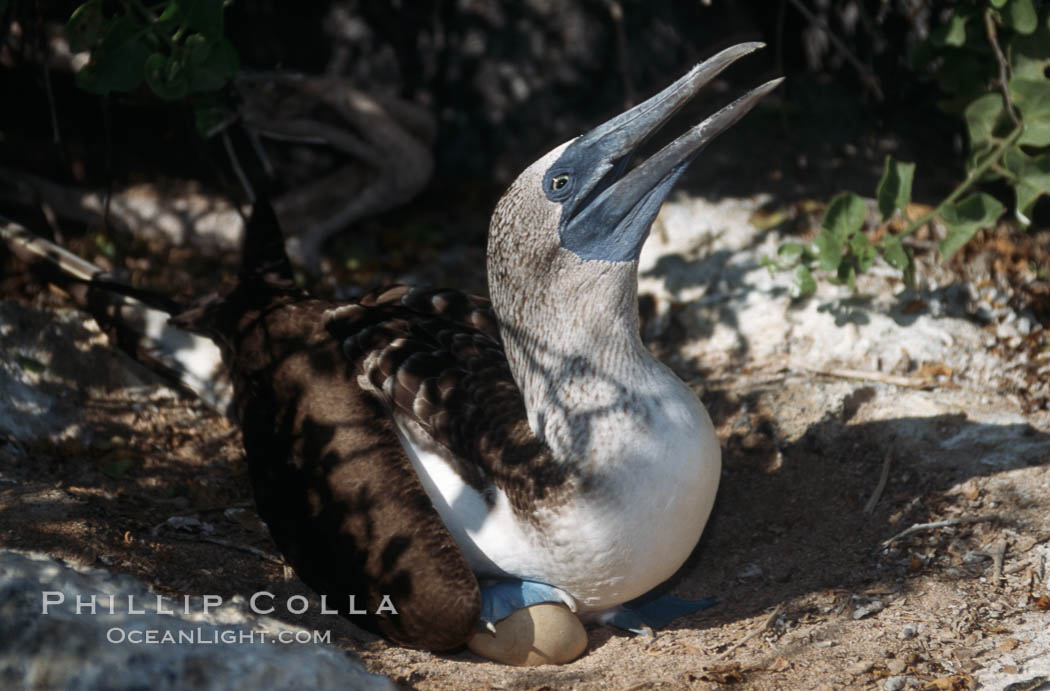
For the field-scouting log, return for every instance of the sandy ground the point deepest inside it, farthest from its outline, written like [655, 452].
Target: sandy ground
[883, 520]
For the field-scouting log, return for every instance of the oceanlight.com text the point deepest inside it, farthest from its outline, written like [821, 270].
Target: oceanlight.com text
[210, 636]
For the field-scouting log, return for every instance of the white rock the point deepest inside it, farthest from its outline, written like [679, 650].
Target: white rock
[70, 650]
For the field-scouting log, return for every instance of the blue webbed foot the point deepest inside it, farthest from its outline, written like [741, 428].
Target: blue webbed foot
[500, 599]
[652, 611]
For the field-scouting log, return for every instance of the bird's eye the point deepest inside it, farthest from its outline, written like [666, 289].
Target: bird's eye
[559, 181]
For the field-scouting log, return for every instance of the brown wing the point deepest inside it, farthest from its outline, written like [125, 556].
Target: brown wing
[436, 358]
[331, 479]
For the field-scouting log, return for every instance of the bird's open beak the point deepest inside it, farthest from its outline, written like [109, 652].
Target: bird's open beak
[614, 211]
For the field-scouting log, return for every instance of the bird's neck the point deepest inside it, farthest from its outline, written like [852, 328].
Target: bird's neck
[574, 350]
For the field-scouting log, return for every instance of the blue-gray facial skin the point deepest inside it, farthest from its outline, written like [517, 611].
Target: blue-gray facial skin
[611, 221]
[606, 211]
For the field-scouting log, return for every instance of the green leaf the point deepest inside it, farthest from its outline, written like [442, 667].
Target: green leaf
[847, 274]
[998, 4]
[894, 190]
[790, 250]
[1021, 16]
[171, 11]
[169, 21]
[1030, 55]
[845, 216]
[982, 117]
[767, 261]
[85, 26]
[1032, 98]
[217, 68]
[116, 63]
[909, 274]
[803, 284]
[830, 249]
[1033, 180]
[166, 76]
[963, 219]
[197, 49]
[862, 251]
[964, 77]
[953, 33]
[106, 246]
[895, 253]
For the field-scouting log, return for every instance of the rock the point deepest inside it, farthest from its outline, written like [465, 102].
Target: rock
[750, 571]
[703, 270]
[894, 684]
[543, 634]
[907, 632]
[52, 363]
[896, 666]
[867, 608]
[67, 649]
[858, 668]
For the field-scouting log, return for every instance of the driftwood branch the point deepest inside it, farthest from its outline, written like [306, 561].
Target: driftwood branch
[867, 77]
[386, 140]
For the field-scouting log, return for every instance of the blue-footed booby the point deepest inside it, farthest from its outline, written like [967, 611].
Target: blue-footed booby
[465, 458]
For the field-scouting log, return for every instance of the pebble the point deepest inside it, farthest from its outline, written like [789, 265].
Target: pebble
[868, 608]
[543, 634]
[907, 632]
[750, 571]
[858, 668]
[894, 684]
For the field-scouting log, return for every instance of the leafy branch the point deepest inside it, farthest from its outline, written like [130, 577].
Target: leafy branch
[1002, 90]
[176, 47]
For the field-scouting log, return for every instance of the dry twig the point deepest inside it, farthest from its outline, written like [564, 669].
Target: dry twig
[1004, 69]
[864, 375]
[922, 527]
[757, 632]
[262, 554]
[877, 493]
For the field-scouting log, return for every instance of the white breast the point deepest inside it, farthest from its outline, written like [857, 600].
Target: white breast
[641, 516]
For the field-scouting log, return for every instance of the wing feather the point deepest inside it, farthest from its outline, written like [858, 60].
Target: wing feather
[435, 357]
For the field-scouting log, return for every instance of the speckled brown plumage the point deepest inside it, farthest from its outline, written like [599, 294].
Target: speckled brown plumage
[435, 358]
[316, 387]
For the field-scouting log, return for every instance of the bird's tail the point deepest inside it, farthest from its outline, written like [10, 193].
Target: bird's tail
[264, 256]
[136, 320]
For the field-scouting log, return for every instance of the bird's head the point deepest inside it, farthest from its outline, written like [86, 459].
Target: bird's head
[582, 203]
